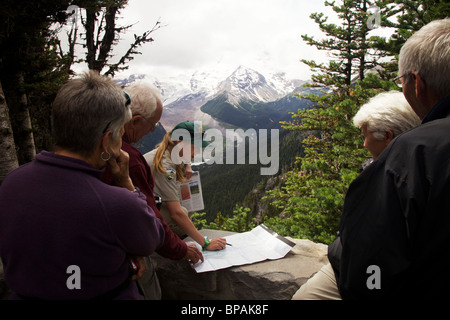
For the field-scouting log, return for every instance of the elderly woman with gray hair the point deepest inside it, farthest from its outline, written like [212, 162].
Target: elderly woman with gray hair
[381, 119]
[64, 234]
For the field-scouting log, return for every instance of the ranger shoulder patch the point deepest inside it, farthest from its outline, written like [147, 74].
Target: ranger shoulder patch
[170, 174]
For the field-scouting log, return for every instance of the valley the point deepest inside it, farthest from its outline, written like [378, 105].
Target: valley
[243, 100]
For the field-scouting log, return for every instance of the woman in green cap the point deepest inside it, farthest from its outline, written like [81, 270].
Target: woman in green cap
[167, 171]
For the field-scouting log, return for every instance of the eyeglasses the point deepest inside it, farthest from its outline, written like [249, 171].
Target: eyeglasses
[154, 125]
[128, 99]
[127, 103]
[397, 80]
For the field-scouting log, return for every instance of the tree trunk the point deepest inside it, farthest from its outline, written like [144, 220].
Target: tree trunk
[91, 49]
[21, 123]
[8, 160]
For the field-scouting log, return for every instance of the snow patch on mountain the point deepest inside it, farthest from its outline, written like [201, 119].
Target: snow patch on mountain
[247, 84]
[243, 83]
[184, 95]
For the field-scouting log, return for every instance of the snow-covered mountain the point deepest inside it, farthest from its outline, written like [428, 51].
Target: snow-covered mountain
[249, 84]
[184, 97]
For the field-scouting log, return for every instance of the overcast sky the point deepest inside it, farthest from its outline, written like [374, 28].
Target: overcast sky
[221, 35]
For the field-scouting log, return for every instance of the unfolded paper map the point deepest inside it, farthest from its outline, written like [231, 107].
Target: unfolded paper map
[256, 245]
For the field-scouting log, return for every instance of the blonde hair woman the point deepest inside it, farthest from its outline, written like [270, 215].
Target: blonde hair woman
[166, 172]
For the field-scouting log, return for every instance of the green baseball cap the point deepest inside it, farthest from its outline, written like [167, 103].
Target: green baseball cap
[194, 129]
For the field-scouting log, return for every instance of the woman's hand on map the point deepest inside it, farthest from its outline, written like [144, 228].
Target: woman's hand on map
[217, 244]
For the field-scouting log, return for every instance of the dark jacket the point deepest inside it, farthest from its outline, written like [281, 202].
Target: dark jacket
[397, 217]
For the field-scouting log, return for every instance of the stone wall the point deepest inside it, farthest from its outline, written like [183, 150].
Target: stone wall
[4, 290]
[267, 280]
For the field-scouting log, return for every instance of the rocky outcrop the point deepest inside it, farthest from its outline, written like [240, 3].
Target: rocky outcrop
[4, 290]
[267, 280]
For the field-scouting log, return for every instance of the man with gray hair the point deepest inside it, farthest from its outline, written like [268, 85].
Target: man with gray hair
[395, 223]
[147, 107]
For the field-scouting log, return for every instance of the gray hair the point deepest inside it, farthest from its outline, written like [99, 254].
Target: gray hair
[144, 99]
[84, 109]
[428, 52]
[386, 111]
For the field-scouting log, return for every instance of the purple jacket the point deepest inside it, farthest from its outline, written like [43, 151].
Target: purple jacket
[55, 213]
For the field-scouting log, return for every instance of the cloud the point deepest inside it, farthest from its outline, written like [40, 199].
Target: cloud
[263, 34]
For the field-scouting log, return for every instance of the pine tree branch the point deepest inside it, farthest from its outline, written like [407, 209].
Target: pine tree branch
[129, 55]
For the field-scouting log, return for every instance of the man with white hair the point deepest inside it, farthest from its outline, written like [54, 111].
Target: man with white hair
[395, 225]
[147, 107]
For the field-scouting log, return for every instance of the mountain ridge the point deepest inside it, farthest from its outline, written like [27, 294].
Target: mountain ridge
[184, 98]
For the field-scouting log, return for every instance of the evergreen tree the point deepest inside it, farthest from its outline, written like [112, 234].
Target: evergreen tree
[312, 195]
[404, 17]
[33, 65]
[8, 160]
[348, 44]
[24, 38]
[101, 33]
